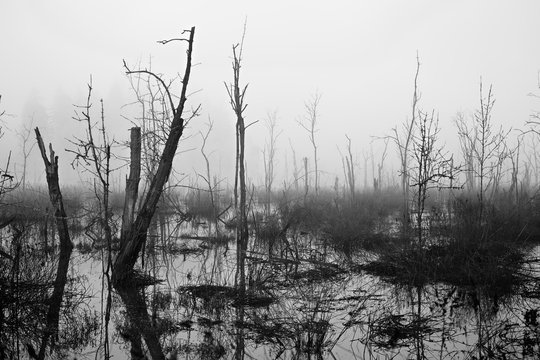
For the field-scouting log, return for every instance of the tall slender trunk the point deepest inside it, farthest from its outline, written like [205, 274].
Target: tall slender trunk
[236, 97]
[242, 230]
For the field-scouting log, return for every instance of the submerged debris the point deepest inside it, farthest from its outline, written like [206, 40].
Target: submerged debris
[217, 292]
[392, 331]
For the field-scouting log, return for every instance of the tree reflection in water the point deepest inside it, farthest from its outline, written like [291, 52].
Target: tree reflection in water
[294, 308]
[35, 320]
[306, 308]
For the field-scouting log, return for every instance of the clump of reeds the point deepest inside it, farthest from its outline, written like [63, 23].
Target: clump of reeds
[496, 267]
[348, 223]
[199, 205]
[267, 228]
[486, 248]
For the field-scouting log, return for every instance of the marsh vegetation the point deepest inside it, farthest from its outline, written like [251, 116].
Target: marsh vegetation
[439, 260]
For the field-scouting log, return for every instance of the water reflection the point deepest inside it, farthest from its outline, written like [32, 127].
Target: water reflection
[302, 301]
[43, 298]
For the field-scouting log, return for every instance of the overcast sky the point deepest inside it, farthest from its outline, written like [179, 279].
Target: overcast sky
[360, 55]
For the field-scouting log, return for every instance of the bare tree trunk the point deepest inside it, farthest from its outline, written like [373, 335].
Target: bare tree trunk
[380, 166]
[295, 166]
[269, 154]
[66, 246]
[132, 182]
[208, 179]
[310, 125]
[403, 148]
[366, 158]
[24, 135]
[350, 176]
[236, 97]
[242, 230]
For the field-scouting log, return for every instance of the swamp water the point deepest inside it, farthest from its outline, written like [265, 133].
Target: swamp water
[303, 301]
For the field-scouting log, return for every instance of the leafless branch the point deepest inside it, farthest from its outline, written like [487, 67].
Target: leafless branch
[159, 79]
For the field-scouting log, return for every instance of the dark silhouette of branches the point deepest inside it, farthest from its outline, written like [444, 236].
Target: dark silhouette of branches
[165, 87]
[131, 243]
[402, 140]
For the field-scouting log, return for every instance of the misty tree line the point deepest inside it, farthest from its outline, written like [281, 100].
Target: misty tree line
[491, 159]
[512, 161]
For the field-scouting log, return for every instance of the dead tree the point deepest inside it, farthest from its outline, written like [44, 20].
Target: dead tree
[93, 155]
[380, 165]
[514, 182]
[132, 182]
[208, 177]
[66, 246]
[310, 123]
[467, 143]
[26, 147]
[403, 139]
[153, 97]
[486, 143]
[135, 231]
[533, 160]
[366, 157]
[269, 155]
[236, 97]
[6, 177]
[348, 169]
[296, 171]
[134, 236]
[136, 309]
[485, 150]
[533, 125]
[306, 179]
[430, 166]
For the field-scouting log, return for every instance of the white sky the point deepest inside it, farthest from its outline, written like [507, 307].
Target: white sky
[360, 55]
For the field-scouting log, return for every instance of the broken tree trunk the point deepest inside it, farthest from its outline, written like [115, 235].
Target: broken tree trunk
[132, 182]
[66, 246]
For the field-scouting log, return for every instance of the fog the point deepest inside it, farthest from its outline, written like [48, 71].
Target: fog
[402, 222]
[361, 58]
